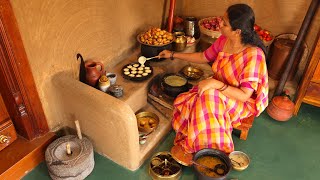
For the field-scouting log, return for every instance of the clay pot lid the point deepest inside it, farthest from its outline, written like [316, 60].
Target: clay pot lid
[181, 156]
[283, 102]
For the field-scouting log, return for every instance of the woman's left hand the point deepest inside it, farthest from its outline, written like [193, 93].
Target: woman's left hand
[209, 84]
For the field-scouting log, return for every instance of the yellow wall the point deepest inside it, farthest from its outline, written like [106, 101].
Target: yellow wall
[53, 31]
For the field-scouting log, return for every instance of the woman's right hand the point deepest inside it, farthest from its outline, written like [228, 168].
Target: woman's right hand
[164, 54]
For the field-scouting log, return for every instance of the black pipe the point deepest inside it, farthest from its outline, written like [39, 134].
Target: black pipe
[302, 32]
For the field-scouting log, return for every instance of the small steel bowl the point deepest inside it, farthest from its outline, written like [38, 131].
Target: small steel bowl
[240, 161]
[192, 72]
[147, 122]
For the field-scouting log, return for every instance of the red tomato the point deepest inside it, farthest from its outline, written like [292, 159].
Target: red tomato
[261, 33]
[269, 38]
[256, 27]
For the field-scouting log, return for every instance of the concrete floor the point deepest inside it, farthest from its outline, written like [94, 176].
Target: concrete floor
[278, 151]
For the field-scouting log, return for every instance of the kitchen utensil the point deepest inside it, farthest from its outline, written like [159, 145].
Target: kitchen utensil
[92, 72]
[137, 72]
[143, 59]
[112, 78]
[281, 108]
[104, 83]
[116, 90]
[191, 27]
[163, 167]
[180, 42]
[82, 71]
[239, 160]
[180, 155]
[174, 84]
[215, 153]
[192, 72]
[148, 50]
[215, 169]
[147, 122]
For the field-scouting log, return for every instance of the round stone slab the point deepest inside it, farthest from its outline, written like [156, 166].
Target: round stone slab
[78, 165]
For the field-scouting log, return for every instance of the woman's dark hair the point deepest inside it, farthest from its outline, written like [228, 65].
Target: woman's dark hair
[241, 16]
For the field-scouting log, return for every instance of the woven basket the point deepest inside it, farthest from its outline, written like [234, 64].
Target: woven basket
[203, 30]
[267, 43]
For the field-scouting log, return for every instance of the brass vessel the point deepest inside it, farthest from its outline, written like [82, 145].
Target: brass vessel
[163, 167]
[180, 42]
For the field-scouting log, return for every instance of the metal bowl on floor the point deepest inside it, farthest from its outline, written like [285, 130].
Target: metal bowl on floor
[240, 161]
[163, 167]
[212, 156]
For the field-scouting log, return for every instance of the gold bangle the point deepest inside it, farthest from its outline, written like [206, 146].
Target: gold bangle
[224, 88]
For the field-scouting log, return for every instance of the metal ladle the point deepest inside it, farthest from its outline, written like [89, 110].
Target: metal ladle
[215, 169]
[143, 59]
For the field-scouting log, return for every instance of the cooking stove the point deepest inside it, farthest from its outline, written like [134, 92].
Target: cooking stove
[160, 100]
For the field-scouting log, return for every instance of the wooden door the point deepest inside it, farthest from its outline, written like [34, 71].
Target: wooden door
[7, 130]
[18, 88]
[309, 88]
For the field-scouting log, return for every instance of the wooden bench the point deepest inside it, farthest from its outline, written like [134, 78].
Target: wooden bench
[245, 126]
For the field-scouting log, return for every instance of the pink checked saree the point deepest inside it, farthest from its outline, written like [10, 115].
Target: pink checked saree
[207, 121]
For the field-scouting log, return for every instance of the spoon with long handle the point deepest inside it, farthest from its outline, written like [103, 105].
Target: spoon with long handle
[143, 59]
[234, 161]
[215, 169]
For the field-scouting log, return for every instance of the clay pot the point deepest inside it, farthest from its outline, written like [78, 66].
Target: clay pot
[281, 108]
[92, 72]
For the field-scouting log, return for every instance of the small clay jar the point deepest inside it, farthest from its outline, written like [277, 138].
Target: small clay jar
[92, 72]
[104, 83]
[281, 108]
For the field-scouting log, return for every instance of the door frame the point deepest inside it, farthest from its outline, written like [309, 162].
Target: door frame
[18, 88]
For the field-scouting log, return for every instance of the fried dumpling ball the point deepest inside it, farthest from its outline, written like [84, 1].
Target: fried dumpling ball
[133, 72]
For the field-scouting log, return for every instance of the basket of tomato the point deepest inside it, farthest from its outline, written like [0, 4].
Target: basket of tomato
[210, 26]
[264, 35]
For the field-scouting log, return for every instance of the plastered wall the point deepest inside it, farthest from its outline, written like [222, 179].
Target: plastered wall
[53, 31]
